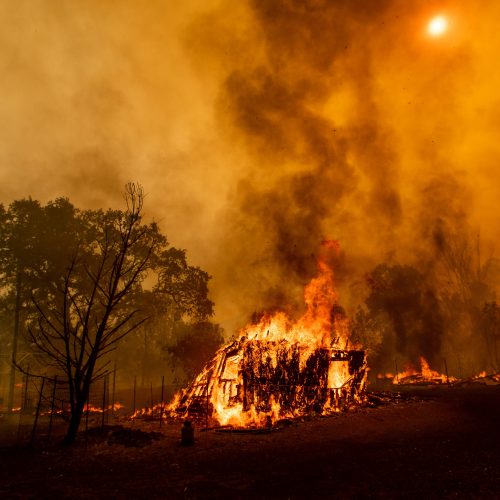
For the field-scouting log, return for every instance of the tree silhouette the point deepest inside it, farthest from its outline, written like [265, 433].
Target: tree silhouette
[83, 318]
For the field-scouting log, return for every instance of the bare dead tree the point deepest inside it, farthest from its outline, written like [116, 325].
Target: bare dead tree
[457, 256]
[88, 314]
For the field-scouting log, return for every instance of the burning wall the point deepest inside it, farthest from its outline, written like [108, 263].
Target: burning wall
[280, 368]
[251, 380]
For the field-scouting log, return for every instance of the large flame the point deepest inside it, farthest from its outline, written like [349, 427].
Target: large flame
[318, 326]
[280, 367]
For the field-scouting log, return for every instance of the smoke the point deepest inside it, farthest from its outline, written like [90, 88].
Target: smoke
[310, 111]
[260, 128]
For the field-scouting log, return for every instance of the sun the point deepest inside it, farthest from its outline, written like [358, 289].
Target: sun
[437, 26]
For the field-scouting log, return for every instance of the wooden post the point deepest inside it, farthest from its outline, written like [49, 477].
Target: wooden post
[104, 401]
[446, 371]
[206, 417]
[113, 392]
[135, 388]
[107, 398]
[37, 413]
[161, 404]
[24, 403]
[86, 423]
[151, 391]
[15, 336]
[52, 406]
[396, 365]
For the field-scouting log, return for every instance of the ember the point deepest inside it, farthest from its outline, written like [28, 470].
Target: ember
[281, 369]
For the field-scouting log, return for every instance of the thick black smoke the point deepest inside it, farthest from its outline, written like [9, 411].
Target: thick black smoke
[302, 180]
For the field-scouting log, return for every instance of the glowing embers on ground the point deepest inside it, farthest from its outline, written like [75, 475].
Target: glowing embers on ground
[279, 368]
[482, 378]
[427, 376]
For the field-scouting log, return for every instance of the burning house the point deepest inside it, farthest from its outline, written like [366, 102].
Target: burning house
[279, 368]
[251, 380]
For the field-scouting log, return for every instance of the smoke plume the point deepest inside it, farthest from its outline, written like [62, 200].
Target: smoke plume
[260, 128]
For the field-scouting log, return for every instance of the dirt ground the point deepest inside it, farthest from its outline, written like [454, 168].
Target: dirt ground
[443, 443]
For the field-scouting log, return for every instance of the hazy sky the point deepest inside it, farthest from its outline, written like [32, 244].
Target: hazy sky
[260, 127]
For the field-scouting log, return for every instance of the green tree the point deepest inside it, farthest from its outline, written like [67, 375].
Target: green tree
[401, 295]
[490, 329]
[182, 288]
[180, 295]
[467, 289]
[35, 242]
[194, 345]
[77, 282]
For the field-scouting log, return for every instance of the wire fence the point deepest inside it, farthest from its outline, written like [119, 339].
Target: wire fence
[41, 406]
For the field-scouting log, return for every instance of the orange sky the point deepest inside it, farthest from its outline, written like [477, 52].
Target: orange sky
[259, 128]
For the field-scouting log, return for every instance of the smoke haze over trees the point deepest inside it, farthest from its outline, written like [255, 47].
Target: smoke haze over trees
[75, 283]
[260, 128]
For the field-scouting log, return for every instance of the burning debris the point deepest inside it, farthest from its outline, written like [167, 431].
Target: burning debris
[282, 369]
[251, 380]
[482, 378]
[425, 376]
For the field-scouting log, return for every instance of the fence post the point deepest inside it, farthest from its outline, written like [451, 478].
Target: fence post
[37, 413]
[87, 421]
[52, 406]
[113, 392]
[161, 404]
[135, 389]
[23, 404]
[103, 401]
[446, 371]
[107, 398]
[206, 417]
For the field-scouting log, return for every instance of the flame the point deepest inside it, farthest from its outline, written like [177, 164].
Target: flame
[96, 409]
[426, 375]
[316, 326]
[316, 337]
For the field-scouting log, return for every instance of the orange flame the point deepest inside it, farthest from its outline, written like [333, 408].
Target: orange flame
[426, 374]
[318, 327]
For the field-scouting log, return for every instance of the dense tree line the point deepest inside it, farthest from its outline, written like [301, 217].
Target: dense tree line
[74, 283]
[444, 306]
[80, 289]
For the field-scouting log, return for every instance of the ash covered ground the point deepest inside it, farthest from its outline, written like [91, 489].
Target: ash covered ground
[430, 443]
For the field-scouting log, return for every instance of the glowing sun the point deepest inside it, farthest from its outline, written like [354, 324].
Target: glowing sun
[437, 26]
